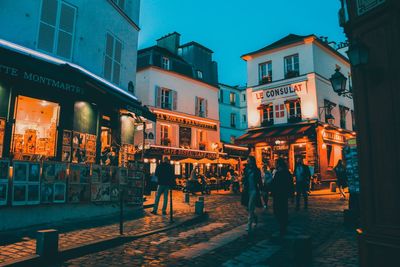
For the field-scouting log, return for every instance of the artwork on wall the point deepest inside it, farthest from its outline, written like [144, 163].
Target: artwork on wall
[3, 193]
[4, 170]
[26, 183]
[54, 177]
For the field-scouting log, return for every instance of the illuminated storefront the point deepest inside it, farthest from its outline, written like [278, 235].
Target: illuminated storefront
[66, 135]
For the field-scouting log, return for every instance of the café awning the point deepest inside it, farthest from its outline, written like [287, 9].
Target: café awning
[270, 134]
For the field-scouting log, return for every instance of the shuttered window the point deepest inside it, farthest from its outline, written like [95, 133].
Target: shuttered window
[112, 59]
[166, 98]
[201, 107]
[56, 29]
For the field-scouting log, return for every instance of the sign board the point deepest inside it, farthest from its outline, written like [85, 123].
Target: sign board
[187, 121]
[282, 91]
[333, 137]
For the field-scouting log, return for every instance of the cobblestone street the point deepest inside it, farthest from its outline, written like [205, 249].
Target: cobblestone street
[223, 241]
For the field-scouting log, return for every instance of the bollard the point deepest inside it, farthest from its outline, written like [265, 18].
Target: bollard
[332, 187]
[199, 207]
[303, 250]
[47, 244]
[187, 198]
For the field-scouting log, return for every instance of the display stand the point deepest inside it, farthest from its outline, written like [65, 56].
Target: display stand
[4, 172]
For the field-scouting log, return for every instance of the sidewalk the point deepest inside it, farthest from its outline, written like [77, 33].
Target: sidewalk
[149, 222]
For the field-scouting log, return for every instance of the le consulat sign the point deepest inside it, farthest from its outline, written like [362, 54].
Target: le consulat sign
[282, 91]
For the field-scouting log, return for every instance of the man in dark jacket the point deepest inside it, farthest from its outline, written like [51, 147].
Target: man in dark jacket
[303, 176]
[166, 180]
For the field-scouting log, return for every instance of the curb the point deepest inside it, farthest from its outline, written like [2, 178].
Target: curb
[99, 245]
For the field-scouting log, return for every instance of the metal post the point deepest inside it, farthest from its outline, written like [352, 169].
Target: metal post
[121, 211]
[144, 140]
[171, 211]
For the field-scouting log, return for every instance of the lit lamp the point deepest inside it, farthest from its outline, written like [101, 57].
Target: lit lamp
[330, 119]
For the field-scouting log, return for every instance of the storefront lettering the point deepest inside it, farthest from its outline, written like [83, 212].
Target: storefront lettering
[186, 121]
[181, 152]
[287, 90]
[330, 136]
[33, 77]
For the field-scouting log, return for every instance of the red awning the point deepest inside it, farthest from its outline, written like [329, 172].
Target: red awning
[269, 134]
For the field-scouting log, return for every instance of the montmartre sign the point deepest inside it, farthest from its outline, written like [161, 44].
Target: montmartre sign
[282, 91]
[186, 121]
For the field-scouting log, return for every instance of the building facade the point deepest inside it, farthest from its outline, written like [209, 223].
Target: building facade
[292, 109]
[68, 117]
[179, 83]
[232, 112]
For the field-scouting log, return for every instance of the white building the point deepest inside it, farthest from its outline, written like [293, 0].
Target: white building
[232, 112]
[102, 38]
[179, 84]
[292, 108]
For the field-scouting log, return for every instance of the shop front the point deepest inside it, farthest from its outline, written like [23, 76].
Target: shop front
[66, 135]
[319, 145]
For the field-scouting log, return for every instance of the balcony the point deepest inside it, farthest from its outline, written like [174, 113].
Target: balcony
[294, 118]
[166, 106]
[265, 80]
[165, 142]
[291, 74]
[265, 123]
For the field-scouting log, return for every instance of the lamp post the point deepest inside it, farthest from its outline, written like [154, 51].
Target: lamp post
[338, 82]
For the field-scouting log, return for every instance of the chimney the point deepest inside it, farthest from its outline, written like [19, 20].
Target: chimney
[170, 42]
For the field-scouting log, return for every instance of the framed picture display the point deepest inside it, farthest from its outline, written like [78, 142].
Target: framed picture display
[78, 187]
[67, 138]
[59, 192]
[20, 171]
[101, 192]
[105, 174]
[33, 192]
[4, 170]
[96, 173]
[60, 172]
[26, 183]
[46, 193]
[19, 194]
[122, 175]
[3, 193]
[34, 172]
[48, 172]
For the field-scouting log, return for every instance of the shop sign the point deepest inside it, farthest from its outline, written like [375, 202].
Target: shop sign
[281, 147]
[333, 137]
[186, 121]
[283, 91]
[40, 79]
[181, 152]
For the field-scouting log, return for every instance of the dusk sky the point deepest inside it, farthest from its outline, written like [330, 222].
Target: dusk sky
[232, 28]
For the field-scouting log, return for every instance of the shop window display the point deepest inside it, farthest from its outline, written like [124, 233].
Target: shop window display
[35, 128]
[2, 129]
[83, 148]
[26, 183]
[4, 167]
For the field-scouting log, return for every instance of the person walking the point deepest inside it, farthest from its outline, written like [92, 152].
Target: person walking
[267, 179]
[282, 190]
[303, 176]
[166, 181]
[341, 177]
[251, 191]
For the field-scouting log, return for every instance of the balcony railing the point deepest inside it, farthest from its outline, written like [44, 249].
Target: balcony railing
[291, 74]
[294, 118]
[265, 123]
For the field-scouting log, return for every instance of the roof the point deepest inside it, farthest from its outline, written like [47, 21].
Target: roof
[163, 51]
[235, 87]
[292, 39]
[169, 34]
[284, 131]
[196, 44]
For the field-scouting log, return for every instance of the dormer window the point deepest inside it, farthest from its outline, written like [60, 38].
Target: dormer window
[199, 74]
[165, 64]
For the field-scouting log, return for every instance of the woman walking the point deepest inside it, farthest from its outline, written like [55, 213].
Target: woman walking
[341, 178]
[267, 179]
[282, 190]
[251, 190]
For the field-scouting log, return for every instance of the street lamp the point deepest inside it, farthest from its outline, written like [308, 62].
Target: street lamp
[338, 82]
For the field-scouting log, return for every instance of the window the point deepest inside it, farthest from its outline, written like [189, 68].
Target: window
[201, 107]
[199, 74]
[265, 72]
[165, 63]
[267, 115]
[292, 66]
[120, 3]
[232, 98]
[343, 113]
[56, 29]
[202, 139]
[166, 98]
[35, 128]
[244, 118]
[353, 121]
[244, 97]
[279, 111]
[294, 108]
[112, 59]
[221, 96]
[233, 120]
[164, 135]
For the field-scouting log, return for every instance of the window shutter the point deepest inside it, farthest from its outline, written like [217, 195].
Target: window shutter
[196, 106]
[158, 97]
[206, 111]
[174, 100]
